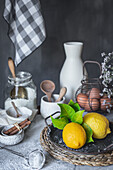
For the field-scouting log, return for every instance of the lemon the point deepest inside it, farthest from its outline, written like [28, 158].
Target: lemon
[74, 135]
[98, 123]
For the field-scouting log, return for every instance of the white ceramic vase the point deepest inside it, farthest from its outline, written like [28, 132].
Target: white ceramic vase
[72, 71]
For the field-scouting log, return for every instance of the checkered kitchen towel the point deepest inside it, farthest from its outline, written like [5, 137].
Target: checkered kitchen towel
[26, 26]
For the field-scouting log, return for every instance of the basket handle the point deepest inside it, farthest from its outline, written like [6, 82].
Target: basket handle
[92, 62]
[49, 117]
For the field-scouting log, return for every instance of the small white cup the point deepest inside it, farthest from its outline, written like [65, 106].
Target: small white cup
[12, 115]
[48, 108]
[11, 139]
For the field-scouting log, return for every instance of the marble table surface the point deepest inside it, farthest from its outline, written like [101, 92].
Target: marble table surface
[9, 161]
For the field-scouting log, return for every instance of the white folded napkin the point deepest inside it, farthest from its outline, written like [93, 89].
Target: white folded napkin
[4, 120]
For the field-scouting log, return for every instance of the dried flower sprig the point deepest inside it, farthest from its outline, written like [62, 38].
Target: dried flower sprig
[107, 73]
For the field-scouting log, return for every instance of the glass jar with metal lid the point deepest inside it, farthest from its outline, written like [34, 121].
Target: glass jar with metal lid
[21, 90]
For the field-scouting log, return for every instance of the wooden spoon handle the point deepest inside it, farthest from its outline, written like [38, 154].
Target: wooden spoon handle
[11, 67]
[62, 93]
[18, 114]
[49, 96]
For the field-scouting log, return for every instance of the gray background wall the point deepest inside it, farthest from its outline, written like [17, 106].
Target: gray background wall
[89, 21]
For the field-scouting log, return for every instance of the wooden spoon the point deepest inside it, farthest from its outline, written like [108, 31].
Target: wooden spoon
[18, 114]
[11, 67]
[17, 91]
[47, 86]
[62, 94]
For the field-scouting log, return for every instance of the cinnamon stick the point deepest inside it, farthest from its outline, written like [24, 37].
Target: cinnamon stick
[14, 127]
[22, 126]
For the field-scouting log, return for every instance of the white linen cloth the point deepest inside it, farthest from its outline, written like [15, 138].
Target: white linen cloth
[4, 120]
[26, 26]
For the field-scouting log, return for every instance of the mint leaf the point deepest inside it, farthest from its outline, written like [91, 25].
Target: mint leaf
[75, 106]
[89, 132]
[77, 117]
[60, 123]
[66, 110]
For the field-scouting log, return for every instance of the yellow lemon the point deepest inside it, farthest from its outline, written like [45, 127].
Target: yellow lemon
[74, 135]
[98, 123]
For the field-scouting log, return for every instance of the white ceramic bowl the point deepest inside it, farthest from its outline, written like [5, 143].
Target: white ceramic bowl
[12, 139]
[11, 114]
[47, 108]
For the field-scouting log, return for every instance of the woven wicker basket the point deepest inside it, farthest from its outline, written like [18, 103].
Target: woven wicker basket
[58, 152]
